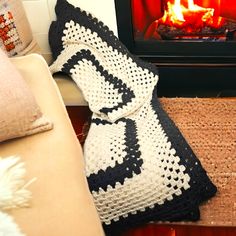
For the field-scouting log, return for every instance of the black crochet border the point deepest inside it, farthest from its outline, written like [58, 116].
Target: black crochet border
[205, 189]
[175, 210]
[127, 94]
[66, 12]
[184, 207]
[131, 164]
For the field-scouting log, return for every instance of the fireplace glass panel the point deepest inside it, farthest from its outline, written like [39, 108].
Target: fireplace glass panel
[195, 54]
[184, 20]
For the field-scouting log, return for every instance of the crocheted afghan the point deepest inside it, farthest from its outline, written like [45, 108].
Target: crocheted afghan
[138, 165]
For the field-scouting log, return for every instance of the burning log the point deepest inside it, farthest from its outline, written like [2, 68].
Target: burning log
[190, 21]
[207, 33]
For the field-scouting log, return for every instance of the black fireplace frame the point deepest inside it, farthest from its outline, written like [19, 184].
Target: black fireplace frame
[173, 52]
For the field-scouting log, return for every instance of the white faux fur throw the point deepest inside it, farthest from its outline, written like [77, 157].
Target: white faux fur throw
[13, 193]
[7, 226]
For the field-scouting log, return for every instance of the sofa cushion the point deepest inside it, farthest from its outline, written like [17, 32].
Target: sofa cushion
[61, 203]
[20, 114]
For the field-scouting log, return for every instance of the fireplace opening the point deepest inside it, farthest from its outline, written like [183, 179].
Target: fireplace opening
[179, 31]
[192, 42]
[186, 20]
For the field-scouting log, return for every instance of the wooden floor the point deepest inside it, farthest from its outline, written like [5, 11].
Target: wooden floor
[80, 120]
[158, 230]
[79, 117]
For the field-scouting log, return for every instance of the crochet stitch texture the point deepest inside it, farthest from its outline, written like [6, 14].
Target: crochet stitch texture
[15, 32]
[138, 165]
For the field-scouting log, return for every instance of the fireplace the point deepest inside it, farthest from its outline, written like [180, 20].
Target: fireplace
[193, 43]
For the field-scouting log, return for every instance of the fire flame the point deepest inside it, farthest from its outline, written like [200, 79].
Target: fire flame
[190, 16]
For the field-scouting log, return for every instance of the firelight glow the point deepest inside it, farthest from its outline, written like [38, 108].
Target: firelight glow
[190, 15]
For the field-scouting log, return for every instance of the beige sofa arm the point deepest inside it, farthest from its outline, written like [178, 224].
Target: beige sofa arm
[61, 203]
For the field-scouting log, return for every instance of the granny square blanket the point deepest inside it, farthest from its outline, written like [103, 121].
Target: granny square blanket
[139, 166]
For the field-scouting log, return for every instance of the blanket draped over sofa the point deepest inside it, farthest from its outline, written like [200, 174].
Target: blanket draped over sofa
[139, 166]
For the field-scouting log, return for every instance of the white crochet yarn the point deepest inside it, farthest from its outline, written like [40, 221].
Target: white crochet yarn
[99, 92]
[161, 179]
[138, 165]
[108, 140]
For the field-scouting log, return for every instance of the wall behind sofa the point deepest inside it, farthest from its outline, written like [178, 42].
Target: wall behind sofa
[41, 12]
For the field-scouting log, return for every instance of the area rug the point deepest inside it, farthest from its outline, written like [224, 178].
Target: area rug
[209, 125]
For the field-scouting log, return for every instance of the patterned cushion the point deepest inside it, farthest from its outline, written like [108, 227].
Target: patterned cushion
[139, 167]
[15, 31]
[20, 115]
